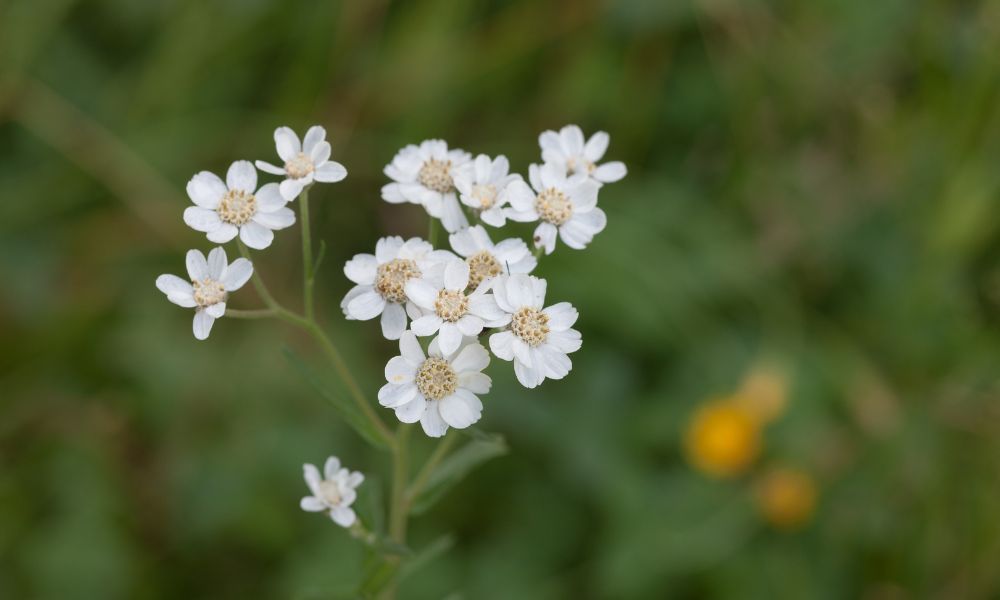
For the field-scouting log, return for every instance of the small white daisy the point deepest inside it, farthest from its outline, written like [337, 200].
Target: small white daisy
[439, 390]
[486, 259]
[538, 339]
[225, 209]
[448, 310]
[305, 162]
[567, 205]
[381, 281]
[482, 186]
[424, 175]
[568, 150]
[333, 493]
[211, 282]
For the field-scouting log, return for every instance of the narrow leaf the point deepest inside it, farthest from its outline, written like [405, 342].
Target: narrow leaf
[452, 469]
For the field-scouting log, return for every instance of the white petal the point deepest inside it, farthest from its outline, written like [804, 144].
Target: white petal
[485, 307]
[575, 236]
[422, 293]
[312, 504]
[460, 409]
[520, 197]
[545, 237]
[291, 188]
[431, 421]
[172, 285]
[387, 248]
[330, 172]
[355, 479]
[267, 167]
[610, 172]
[314, 135]
[538, 286]
[452, 216]
[392, 193]
[197, 266]
[256, 235]
[343, 516]
[549, 140]
[596, 146]
[216, 310]
[361, 269]
[206, 189]
[320, 153]
[449, 338]
[366, 306]
[392, 395]
[477, 383]
[470, 325]
[280, 219]
[456, 275]
[584, 195]
[502, 345]
[202, 324]
[393, 321]
[409, 348]
[565, 341]
[519, 291]
[561, 316]
[201, 219]
[242, 176]
[522, 352]
[223, 234]
[557, 365]
[572, 140]
[287, 143]
[593, 221]
[217, 263]
[399, 370]
[472, 358]
[535, 177]
[236, 274]
[494, 217]
[312, 477]
[528, 376]
[412, 410]
[426, 325]
[269, 198]
[330, 467]
[463, 243]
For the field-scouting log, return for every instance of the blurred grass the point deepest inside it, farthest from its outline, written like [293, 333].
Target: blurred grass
[810, 181]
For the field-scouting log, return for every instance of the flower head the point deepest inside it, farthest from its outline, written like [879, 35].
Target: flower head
[448, 309]
[482, 187]
[438, 389]
[723, 438]
[486, 259]
[304, 162]
[568, 151]
[537, 339]
[211, 281]
[236, 206]
[381, 281]
[333, 492]
[567, 205]
[425, 175]
[786, 497]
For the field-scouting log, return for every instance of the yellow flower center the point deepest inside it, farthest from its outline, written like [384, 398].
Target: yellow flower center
[482, 265]
[330, 492]
[531, 325]
[237, 207]
[451, 305]
[208, 292]
[436, 175]
[485, 194]
[436, 379]
[299, 166]
[391, 278]
[554, 207]
[723, 438]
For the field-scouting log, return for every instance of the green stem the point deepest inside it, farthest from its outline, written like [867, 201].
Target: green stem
[261, 313]
[399, 509]
[432, 232]
[442, 449]
[309, 276]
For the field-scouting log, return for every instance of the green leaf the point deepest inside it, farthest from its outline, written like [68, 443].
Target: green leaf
[319, 257]
[452, 469]
[350, 412]
[426, 556]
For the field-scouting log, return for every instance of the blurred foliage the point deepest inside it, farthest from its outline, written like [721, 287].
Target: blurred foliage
[810, 182]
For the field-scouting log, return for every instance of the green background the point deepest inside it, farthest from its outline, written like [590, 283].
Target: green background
[812, 182]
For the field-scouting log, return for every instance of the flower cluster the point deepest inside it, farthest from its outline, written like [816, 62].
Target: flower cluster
[478, 293]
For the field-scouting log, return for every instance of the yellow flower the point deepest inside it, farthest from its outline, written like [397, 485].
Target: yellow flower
[764, 392]
[786, 497]
[723, 438]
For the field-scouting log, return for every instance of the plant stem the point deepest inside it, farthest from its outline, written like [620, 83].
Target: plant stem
[400, 503]
[432, 232]
[442, 449]
[309, 276]
[261, 313]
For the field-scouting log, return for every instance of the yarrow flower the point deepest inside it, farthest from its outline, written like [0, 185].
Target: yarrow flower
[381, 281]
[448, 310]
[572, 155]
[438, 389]
[482, 187]
[225, 209]
[537, 340]
[211, 282]
[486, 259]
[567, 205]
[304, 162]
[334, 492]
[425, 175]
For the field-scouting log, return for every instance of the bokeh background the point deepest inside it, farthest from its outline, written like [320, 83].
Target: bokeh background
[810, 211]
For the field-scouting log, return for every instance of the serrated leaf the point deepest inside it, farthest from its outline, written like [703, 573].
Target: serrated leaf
[452, 469]
[351, 414]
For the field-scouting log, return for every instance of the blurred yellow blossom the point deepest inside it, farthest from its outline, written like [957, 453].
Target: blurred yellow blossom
[786, 497]
[764, 392]
[723, 438]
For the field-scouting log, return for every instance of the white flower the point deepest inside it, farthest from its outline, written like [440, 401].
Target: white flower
[538, 339]
[487, 260]
[448, 310]
[304, 162]
[227, 208]
[439, 390]
[424, 175]
[211, 282]
[333, 493]
[564, 204]
[568, 151]
[482, 187]
[381, 281]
